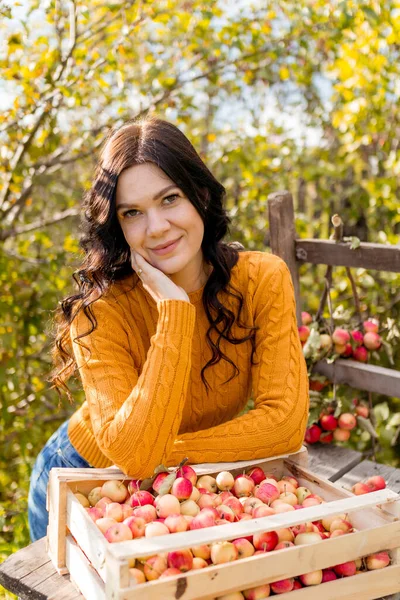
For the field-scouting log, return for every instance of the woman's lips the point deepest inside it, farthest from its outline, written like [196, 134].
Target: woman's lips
[167, 249]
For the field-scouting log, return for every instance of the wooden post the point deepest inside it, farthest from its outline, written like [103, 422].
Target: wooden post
[283, 236]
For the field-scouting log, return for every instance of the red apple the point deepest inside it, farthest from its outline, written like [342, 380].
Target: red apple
[340, 336]
[347, 421]
[94, 513]
[257, 475]
[148, 513]
[105, 523]
[157, 483]
[346, 569]
[379, 560]
[328, 575]
[118, 533]
[360, 354]
[243, 486]
[176, 523]
[134, 486]
[180, 559]
[182, 488]
[376, 482]
[141, 498]
[312, 578]
[372, 341]
[137, 525]
[328, 422]
[257, 593]
[155, 529]
[223, 552]
[341, 435]
[188, 473]
[265, 541]
[154, 566]
[244, 547]
[266, 492]
[313, 434]
[282, 586]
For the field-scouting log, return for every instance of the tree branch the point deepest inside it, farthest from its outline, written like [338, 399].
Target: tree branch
[56, 218]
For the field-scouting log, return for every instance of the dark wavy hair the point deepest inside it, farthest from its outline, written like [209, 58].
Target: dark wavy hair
[107, 254]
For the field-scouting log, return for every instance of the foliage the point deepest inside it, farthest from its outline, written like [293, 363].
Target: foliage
[278, 95]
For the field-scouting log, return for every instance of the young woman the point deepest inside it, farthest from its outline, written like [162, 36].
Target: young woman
[172, 329]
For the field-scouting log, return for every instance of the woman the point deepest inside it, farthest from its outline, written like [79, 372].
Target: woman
[167, 323]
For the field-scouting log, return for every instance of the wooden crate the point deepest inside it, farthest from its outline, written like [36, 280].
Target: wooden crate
[101, 570]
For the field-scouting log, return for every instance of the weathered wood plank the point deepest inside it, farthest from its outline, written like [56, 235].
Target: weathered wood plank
[282, 237]
[368, 468]
[370, 378]
[332, 462]
[329, 252]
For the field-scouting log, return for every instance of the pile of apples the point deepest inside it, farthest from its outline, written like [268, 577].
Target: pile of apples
[353, 344]
[330, 428]
[182, 501]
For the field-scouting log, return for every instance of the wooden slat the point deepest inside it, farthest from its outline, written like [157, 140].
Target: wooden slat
[368, 468]
[282, 237]
[149, 546]
[368, 256]
[26, 574]
[82, 573]
[332, 462]
[361, 376]
[250, 572]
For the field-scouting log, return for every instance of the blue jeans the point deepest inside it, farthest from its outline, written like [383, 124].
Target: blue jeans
[58, 452]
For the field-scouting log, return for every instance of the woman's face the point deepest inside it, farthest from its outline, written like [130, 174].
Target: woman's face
[153, 211]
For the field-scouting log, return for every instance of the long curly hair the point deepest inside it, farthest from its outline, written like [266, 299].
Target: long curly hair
[107, 255]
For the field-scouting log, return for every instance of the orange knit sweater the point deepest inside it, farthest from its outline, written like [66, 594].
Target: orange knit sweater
[145, 401]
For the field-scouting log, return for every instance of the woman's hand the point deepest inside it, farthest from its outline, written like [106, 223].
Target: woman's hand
[159, 285]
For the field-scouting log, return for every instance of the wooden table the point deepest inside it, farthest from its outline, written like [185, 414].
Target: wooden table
[29, 573]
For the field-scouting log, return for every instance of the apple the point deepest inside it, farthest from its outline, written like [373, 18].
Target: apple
[360, 354]
[114, 511]
[325, 342]
[340, 336]
[362, 410]
[133, 485]
[195, 495]
[147, 512]
[189, 508]
[176, 523]
[180, 559]
[199, 563]
[372, 341]
[282, 586]
[157, 483]
[154, 566]
[285, 534]
[336, 533]
[232, 596]
[105, 523]
[225, 481]
[182, 488]
[155, 529]
[203, 519]
[257, 475]
[310, 537]
[170, 572]
[312, 500]
[141, 498]
[101, 505]
[243, 486]
[203, 551]
[225, 512]
[347, 421]
[360, 488]
[208, 483]
[115, 490]
[379, 560]
[328, 422]
[302, 493]
[304, 333]
[266, 492]
[205, 500]
[312, 578]
[118, 533]
[282, 507]
[357, 337]
[313, 434]
[95, 495]
[223, 552]
[168, 505]
[137, 525]
[257, 593]
[341, 524]
[82, 499]
[127, 511]
[244, 547]
[285, 487]
[94, 513]
[225, 495]
[376, 482]
[250, 504]
[346, 569]
[137, 575]
[265, 541]
[263, 511]
[288, 498]
[328, 575]
[234, 504]
[297, 585]
[292, 480]
[341, 435]
[188, 473]
[283, 545]
[326, 437]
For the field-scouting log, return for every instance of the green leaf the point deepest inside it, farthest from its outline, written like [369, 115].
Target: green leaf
[167, 484]
[160, 469]
[367, 426]
[147, 483]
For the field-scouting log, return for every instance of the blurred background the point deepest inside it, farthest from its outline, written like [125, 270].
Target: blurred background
[301, 95]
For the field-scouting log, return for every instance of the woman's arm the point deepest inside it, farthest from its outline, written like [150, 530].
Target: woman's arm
[278, 421]
[135, 418]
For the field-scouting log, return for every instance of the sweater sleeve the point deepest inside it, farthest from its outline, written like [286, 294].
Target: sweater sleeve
[278, 421]
[135, 417]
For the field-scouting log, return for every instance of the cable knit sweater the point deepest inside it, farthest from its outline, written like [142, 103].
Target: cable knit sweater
[145, 401]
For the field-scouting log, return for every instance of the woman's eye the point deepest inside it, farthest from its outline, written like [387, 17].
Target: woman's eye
[133, 211]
